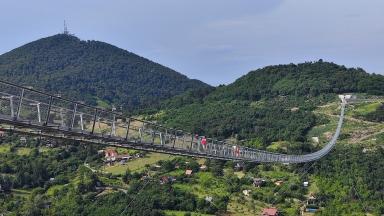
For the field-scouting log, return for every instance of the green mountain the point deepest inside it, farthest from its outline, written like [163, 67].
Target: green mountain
[93, 71]
[269, 104]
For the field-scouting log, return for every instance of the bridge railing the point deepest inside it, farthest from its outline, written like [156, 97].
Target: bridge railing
[35, 108]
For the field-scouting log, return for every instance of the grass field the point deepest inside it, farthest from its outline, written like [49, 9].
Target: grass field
[364, 109]
[21, 192]
[23, 151]
[51, 190]
[244, 206]
[182, 213]
[206, 185]
[137, 164]
[4, 148]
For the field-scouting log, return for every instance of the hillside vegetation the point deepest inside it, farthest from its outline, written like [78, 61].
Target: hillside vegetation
[269, 104]
[93, 71]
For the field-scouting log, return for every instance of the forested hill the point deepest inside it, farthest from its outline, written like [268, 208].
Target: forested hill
[307, 79]
[92, 71]
[268, 104]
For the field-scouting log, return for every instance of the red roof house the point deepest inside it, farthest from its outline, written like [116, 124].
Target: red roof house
[188, 172]
[110, 154]
[269, 212]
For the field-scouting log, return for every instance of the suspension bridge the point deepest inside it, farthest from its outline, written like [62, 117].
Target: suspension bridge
[26, 110]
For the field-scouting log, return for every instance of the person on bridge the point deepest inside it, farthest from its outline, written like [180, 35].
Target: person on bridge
[236, 151]
[196, 137]
[204, 142]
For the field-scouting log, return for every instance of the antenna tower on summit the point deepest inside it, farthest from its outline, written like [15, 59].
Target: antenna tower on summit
[65, 28]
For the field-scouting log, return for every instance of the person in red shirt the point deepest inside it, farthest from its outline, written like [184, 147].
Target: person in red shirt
[204, 142]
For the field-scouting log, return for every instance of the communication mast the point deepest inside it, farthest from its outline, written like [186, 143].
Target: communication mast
[65, 28]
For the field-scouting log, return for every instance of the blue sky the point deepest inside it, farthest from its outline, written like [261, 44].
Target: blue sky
[215, 41]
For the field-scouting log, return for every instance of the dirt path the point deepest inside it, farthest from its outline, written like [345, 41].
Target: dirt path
[366, 136]
[348, 118]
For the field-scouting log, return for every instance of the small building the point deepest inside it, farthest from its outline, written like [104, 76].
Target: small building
[203, 167]
[23, 140]
[246, 192]
[270, 212]
[125, 157]
[328, 135]
[164, 180]
[2, 133]
[238, 167]
[155, 167]
[110, 155]
[279, 183]
[258, 182]
[311, 204]
[50, 145]
[144, 177]
[295, 109]
[167, 179]
[188, 172]
[305, 184]
[208, 198]
[346, 97]
[315, 139]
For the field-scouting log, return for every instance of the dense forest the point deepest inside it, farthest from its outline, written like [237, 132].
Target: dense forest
[93, 71]
[269, 104]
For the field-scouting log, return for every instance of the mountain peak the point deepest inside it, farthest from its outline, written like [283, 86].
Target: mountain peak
[93, 71]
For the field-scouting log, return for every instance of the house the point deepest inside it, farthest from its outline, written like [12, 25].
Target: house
[315, 139]
[164, 180]
[270, 212]
[2, 133]
[188, 172]
[203, 167]
[258, 182]
[295, 109]
[279, 183]
[155, 167]
[144, 177]
[125, 157]
[246, 192]
[328, 135]
[208, 198]
[311, 200]
[110, 155]
[23, 140]
[238, 167]
[311, 204]
[50, 145]
[305, 184]
[167, 179]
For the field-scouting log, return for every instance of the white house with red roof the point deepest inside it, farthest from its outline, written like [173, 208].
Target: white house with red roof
[110, 155]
